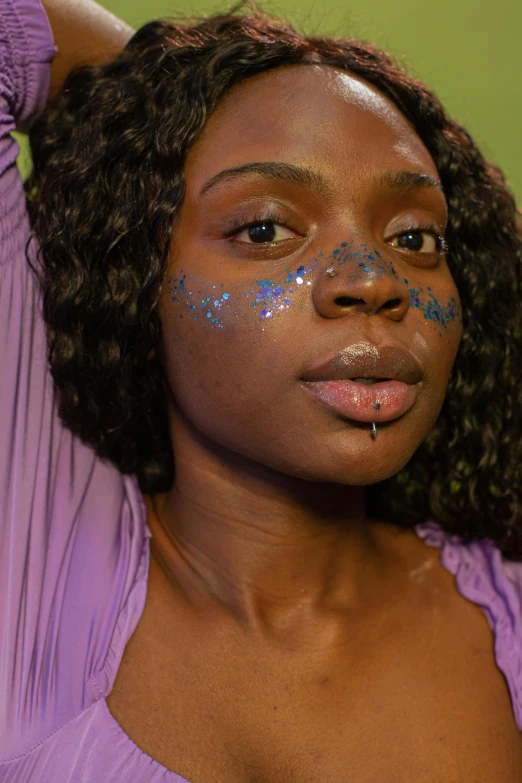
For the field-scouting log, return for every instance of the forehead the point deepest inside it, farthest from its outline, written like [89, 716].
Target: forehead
[307, 113]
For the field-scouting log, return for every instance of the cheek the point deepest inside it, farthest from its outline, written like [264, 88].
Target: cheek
[439, 307]
[222, 372]
[437, 317]
[225, 339]
[237, 306]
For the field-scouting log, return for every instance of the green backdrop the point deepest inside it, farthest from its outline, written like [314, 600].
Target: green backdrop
[469, 52]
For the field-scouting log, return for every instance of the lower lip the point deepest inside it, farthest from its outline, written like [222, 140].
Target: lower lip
[356, 400]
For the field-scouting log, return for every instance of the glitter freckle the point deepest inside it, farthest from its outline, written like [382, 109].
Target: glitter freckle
[269, 297]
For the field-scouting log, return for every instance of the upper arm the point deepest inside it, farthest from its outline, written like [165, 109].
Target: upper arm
[85, 34]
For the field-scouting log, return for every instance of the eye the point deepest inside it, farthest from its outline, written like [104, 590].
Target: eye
[419, 241]
[263, 233]
[266, 229]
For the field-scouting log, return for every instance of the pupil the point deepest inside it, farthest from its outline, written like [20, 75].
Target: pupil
[263, 232]
[411, 241]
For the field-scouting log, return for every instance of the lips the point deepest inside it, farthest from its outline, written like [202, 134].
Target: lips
[395, 371]
[365, 360]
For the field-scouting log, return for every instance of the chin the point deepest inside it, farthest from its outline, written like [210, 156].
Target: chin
[360, 470]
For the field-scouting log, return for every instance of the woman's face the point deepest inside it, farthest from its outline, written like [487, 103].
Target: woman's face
[251, 315]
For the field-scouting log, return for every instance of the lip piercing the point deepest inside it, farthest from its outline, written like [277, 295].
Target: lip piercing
[330, 272]
[376, 405]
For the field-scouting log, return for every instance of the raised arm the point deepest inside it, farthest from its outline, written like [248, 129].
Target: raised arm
[65, 515]
[85, 33]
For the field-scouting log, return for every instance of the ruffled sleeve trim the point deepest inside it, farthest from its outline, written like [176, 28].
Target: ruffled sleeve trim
[28, 47]
[483, 577]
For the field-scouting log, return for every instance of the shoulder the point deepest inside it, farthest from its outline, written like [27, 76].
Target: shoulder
[485, 577]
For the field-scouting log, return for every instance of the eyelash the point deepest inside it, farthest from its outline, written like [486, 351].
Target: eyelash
[271, 216]
[427, 228]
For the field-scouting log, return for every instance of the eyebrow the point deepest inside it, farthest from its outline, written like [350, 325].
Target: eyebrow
[287, 172]
[407, 180]
[304, 177]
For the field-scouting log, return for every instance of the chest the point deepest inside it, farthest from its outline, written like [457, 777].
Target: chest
[420, 701]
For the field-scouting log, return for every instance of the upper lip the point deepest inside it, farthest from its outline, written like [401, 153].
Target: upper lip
[366, 360]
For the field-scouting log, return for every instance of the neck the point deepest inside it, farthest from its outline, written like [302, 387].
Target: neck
[273, 549]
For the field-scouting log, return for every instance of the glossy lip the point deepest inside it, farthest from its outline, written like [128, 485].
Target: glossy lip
[365, 360]
[398, 375]
[357, 402]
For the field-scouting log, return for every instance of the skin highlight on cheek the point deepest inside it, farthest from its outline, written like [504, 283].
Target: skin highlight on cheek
[212, 305]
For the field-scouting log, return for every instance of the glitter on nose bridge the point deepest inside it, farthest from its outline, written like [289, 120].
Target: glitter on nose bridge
[274, 298]
[435, 314]
[365, 260]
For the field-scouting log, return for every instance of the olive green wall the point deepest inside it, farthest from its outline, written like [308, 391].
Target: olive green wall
[468, 51]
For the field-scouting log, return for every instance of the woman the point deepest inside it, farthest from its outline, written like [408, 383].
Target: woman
[274, 263]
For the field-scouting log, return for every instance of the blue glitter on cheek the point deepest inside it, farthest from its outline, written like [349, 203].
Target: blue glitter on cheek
[272, 297]
[205, 306]
[433, 310]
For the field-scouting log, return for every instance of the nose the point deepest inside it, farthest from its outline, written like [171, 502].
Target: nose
[373, 292]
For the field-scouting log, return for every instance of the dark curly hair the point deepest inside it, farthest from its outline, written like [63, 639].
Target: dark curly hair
[104, 194]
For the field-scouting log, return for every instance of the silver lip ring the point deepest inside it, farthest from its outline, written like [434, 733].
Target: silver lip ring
[331, 272]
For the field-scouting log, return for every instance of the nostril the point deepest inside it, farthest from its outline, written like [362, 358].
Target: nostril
[391, 304]
[346, 301]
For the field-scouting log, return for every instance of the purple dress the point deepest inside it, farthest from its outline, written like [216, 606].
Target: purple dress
[74, 543]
